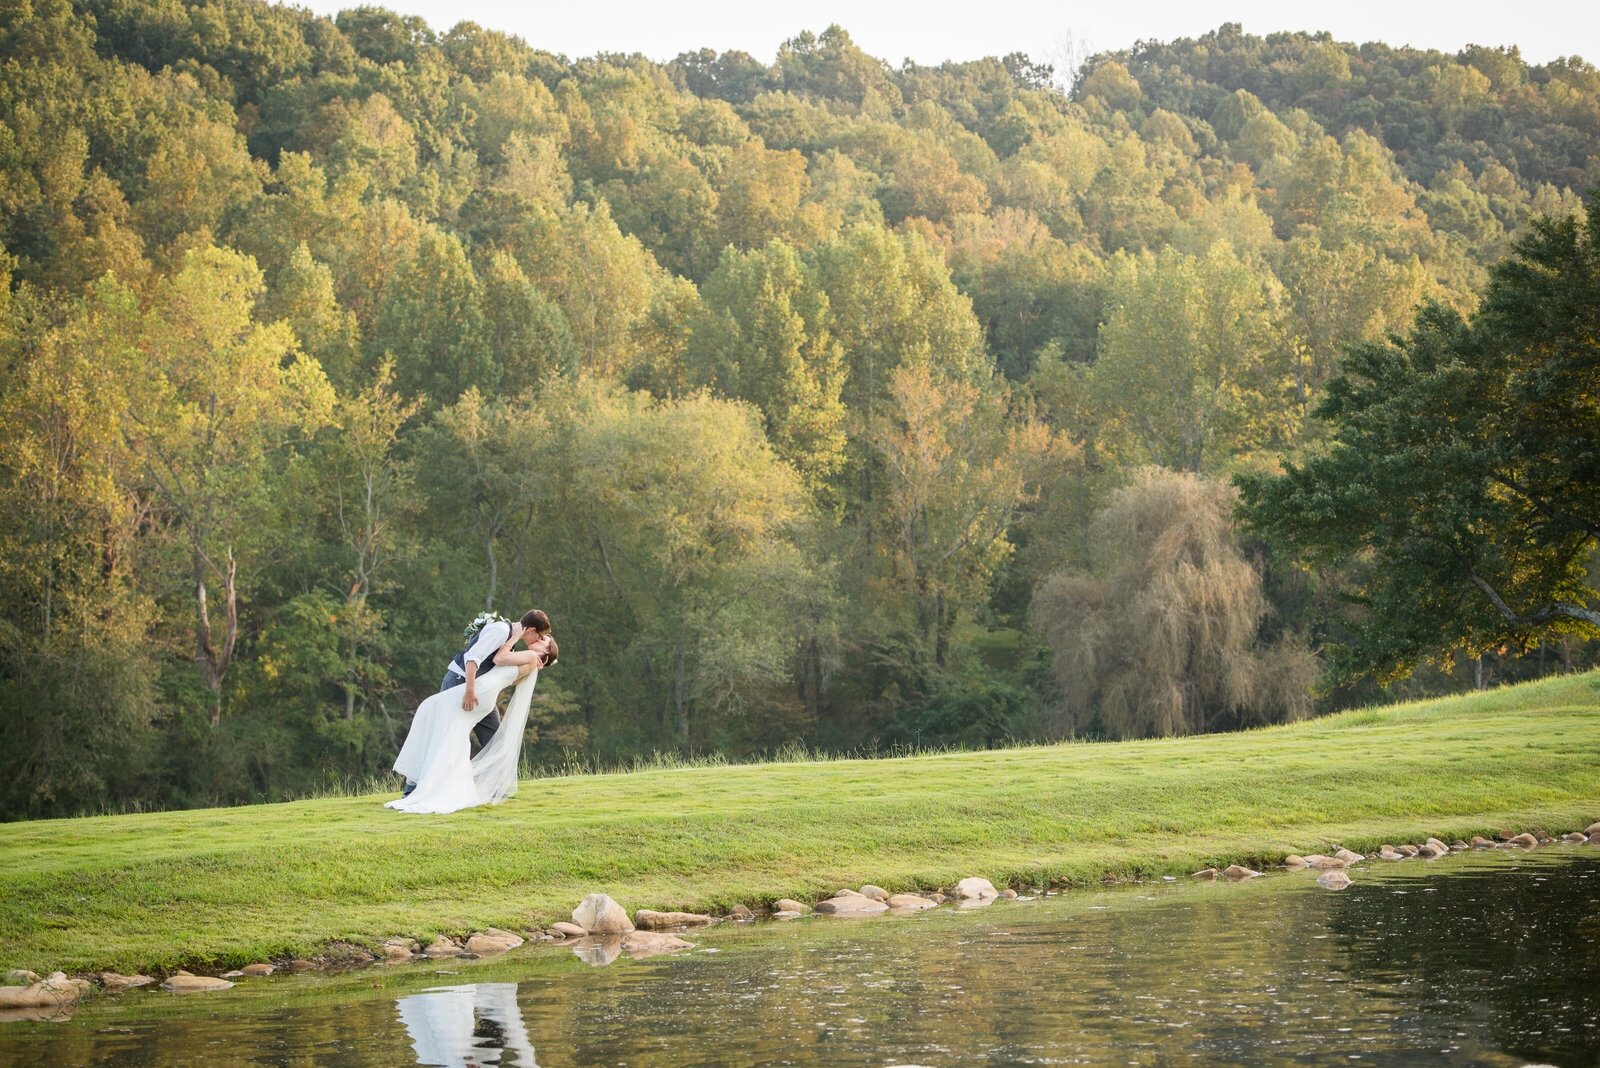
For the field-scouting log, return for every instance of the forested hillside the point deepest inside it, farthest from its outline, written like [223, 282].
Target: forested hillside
[782, 386]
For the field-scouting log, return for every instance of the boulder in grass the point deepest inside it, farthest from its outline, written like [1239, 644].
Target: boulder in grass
[1525, 840]
[1349, 856]
[848, 901]
[298, 965]
[50, 992]
[1594, 839]
[789, 904]
[1205, 873]
[1238, 872]
[493, 940]
[975, 889]
[113, 981]
[567, 930]
[1574, 838]
[874, 891]
[1322, 863]
[441, 947]
[1458, 844]
[397, 948]
[909, 901]
[184, 983]
[937, 898]
[642, 944]
[1431, 852]
[1008, 894]
[1480, 842]
[1334, 880]
[257, 971]
[1294, 860]
[1593, 828]
[22, 977]
[650, 920]
[741, 912]
[598, 914]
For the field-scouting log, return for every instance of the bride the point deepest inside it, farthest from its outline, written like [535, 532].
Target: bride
[435, 753]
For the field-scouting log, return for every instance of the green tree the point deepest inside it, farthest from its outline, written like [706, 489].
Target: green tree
[1463, 468]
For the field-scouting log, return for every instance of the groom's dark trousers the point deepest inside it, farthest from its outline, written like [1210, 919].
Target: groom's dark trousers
[484, 730]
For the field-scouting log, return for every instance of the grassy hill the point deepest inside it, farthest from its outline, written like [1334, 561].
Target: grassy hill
[224, 886]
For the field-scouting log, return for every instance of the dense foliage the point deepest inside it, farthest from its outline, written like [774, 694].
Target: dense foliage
[1465, 468]
[779, 386]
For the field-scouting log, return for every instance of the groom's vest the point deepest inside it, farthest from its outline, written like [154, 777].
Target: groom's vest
[459, 664]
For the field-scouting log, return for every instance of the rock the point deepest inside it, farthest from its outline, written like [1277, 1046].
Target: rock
[937, 898]
[874, 891]
[54, 990]
[257, 971]
[113, 981]
[850, 901]
[492, 941]
[235, 974]
[1322, 863]
[642, 944]
[184, 983]
[1458, 844]
[598, 914]
[1480, 842]
[1206, 873]
[1410, 850]
[1008, 894]
[309, 965]
[1574, 838]
[1238, 872]
[785, 914]
[1294, 860]
[1432, 851]
[1506, 836]
[21, 977]
[1594, 839]
[397, 948]
[975, 888]
[741, 912]
[1349, 856]
[1334, 880]
[910, 901]
[567, 930]
[648, 920]
[1545, 839]
[441, 947]
[1440, 846]
[1389, 854]
[1593, 828]
[1525, 840]
[789, 904]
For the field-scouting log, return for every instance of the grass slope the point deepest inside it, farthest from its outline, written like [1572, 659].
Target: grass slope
[226, 886]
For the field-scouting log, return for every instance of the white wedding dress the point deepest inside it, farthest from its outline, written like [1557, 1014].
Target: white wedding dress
[436, 752]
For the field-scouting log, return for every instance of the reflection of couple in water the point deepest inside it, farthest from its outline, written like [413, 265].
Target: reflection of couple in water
[442, 774]
[462, 1026]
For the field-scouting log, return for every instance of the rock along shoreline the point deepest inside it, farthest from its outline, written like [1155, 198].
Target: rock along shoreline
[601, 930]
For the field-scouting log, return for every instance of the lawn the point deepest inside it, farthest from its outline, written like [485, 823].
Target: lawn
[219, 887]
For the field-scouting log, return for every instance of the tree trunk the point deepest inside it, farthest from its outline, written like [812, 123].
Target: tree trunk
[1477, 672]
[677, 694]
[213, 663]
[1566, 657]
[1541, 658]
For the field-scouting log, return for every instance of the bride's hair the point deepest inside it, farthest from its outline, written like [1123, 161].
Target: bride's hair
[536, 620]
[550, 654]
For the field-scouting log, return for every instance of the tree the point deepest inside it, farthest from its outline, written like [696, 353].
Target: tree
[1165, 635]
[1463, 468]
[1189, 365]
[219, 394]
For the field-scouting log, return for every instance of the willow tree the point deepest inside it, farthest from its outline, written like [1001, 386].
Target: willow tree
[1165, 636]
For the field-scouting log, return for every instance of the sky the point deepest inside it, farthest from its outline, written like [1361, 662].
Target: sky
[935, 30]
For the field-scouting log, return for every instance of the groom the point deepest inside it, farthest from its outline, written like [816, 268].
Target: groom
[479, 657]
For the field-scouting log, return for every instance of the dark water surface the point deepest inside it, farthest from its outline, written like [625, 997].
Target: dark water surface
[1483, 958]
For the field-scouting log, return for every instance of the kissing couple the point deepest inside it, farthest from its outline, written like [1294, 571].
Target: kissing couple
[441, 773]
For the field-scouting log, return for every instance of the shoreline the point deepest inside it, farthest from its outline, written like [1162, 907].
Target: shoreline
[216, 889]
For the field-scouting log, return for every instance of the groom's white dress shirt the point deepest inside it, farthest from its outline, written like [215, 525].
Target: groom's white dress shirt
[490, 638]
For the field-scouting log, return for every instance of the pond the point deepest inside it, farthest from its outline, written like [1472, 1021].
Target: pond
[1482, 958]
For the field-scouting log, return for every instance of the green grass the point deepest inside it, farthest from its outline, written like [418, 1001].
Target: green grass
[225, 886]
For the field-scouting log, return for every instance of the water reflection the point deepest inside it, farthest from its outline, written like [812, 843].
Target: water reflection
[1478, 959]
[460, 1026]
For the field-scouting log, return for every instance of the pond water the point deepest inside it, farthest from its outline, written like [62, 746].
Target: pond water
[1482, 958]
